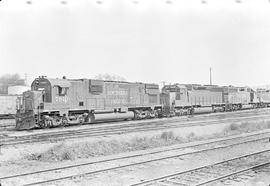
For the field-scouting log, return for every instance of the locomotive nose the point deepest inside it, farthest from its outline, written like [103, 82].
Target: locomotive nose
[25, 122]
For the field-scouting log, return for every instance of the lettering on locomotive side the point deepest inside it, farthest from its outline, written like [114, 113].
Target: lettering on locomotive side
[119, 101]
[120, 92]
[61, 99]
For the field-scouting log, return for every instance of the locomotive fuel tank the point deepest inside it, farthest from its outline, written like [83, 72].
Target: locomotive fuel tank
[201, 110]
[99, 117]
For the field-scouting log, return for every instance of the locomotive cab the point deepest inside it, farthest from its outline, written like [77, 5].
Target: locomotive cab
[42, 106]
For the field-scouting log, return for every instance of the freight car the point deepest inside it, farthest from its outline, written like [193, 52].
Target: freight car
[8, 101]
[53, 102]
[8, 106]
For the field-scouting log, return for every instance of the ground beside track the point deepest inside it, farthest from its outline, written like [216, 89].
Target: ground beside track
[108, 143]
[260, 179]
[144, 172]
[141, 173]
[13, 158]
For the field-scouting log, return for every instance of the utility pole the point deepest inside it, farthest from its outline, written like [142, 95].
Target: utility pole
[210, 76]
[25, 78]
[163, 83]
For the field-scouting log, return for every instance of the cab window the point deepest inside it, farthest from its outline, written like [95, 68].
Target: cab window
[62, 91]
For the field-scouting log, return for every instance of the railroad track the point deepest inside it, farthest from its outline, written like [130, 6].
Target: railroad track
[47, 176]
[193, 117]
[209, 174]
[118, 129]
[222, 115]
[7, 126]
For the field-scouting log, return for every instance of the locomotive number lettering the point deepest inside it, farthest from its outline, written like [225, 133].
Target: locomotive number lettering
[62, 99]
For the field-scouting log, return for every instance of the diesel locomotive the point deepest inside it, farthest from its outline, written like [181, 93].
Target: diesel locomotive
[53, 102]
[61, 102]
[193, 98]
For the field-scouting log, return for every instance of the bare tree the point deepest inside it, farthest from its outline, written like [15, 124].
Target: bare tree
[110, 77]
[10, 80]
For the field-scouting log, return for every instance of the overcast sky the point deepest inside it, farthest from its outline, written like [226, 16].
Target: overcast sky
[147, 41]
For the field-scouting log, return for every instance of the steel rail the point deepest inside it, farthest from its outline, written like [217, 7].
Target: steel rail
[136, 124]
[199, 168]
[183, 117]
[139, 123]
[138, 163]
[111, 131]
[232, 174]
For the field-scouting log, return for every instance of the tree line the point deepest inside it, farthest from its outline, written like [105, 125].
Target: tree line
[10, 80]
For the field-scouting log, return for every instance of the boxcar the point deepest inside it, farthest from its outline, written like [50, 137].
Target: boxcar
[7, 105]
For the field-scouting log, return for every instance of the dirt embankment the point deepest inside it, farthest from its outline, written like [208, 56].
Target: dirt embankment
[62, 152]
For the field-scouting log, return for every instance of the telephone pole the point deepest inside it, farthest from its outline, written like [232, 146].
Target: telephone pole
[25, 79]
[210, 76]
[163, 83]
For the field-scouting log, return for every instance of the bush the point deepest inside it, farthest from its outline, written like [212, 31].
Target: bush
[191, 136]
[167, 136]
[234, 126]
[64, 152]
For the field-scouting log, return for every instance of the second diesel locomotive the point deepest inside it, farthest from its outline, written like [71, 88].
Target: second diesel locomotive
[182, 99]
[53, 102]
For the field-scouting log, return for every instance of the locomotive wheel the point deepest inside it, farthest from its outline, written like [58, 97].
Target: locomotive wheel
[45, 124]
[49, 123]
[64, 122]
[42, 124]
[191, 111]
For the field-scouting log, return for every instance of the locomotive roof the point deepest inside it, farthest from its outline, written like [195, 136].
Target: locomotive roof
[59, 82]
[175, 85]
[66, 82]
